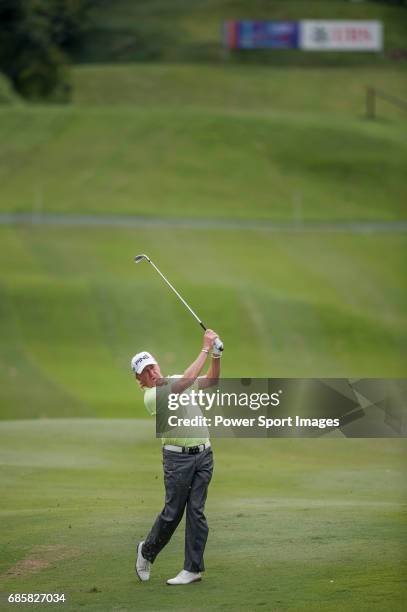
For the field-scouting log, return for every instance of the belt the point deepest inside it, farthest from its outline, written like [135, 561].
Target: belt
[189, 450]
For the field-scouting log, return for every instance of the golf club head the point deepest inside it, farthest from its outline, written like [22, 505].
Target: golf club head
[140, 257]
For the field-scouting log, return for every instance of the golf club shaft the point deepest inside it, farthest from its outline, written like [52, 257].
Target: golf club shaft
[218, 343]
[178, 295]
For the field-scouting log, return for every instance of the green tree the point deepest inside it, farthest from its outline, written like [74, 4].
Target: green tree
[36, 37]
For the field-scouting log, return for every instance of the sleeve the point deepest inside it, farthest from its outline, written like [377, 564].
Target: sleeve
[193, 385]
[150, 400]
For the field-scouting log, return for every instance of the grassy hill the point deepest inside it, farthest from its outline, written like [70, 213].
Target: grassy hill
[205, 143]
[294, 524]
[75, 308]
[263, 89]
[210, 142]
[124, 30]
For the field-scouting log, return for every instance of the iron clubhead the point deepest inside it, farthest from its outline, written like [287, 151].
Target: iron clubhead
[140, 257]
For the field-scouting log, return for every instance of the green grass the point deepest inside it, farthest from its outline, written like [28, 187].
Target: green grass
[204, 163]
[201, 141]
[75, 308]
[125, 30]
[7, 95]
[337, 91]
[295, 525]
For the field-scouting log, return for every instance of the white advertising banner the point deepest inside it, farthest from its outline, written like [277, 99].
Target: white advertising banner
[335, 35]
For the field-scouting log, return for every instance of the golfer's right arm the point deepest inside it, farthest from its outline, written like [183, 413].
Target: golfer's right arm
[193, 371]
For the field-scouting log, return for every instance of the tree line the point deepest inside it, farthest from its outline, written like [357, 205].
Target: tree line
[36, 40]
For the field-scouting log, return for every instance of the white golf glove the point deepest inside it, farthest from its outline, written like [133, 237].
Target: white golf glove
[217, 347]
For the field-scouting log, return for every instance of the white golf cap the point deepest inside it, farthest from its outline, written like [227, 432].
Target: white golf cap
[141, 360]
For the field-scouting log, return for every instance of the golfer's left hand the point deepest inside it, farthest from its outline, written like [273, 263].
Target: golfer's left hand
[209, 338]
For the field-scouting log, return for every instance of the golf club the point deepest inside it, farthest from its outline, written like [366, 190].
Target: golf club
[218, 343]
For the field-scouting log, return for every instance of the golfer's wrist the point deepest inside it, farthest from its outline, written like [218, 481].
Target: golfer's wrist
[205, 350]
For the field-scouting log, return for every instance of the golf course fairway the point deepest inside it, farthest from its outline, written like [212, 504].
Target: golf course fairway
[308, 524]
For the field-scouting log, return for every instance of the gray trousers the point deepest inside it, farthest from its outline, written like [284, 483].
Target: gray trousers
[186, 479]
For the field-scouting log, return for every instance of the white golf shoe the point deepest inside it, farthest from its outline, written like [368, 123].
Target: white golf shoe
[143, 566]
[184, 577]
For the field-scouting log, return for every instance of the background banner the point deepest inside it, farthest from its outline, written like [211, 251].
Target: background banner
[308, 35]
[261, 34]
[335, 35]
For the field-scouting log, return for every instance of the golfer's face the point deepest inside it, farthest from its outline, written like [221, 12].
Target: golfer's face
[150, 375]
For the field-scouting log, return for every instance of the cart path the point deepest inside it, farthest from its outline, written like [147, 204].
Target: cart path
[351, 227]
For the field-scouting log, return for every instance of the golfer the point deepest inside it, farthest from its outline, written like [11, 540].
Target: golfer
[188, 466]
